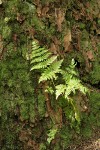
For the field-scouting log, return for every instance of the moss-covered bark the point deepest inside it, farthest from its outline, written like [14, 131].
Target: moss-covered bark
[69, 28]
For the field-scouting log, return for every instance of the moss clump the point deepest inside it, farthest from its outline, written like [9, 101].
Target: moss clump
[92, 120]
[41, 105]
[95, 74]
[16, 97]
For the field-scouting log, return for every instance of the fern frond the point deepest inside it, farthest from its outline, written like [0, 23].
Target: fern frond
[49, 66]
[73, 85]
[50, 72]
[38, 54]
[56, 66]
[47, 75]
[60, 89]
[35, 45]
[38, 51]
[44, 64]
[40, 59]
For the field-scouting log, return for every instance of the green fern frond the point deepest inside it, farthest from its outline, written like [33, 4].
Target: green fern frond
[40, 59]
[50, 72]
[60, 90]
[56, 66]
[35, 45]
[39, 54]
[37, 51]
[47, 75]
[45, 63]
[49, 67]
[72, 84]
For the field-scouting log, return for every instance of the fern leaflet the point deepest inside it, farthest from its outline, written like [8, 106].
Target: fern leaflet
[39, 54]
[50, 72]
[45, 63]
[40, 59]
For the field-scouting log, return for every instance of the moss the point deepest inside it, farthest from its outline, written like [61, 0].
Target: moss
[66, 137]
[6, 32]
[32, 113]
[79, 59]
[86, 132]
[41, 105]
[95, 101]
[16, 97]
[38, 24]
[82, 26]
[93, 119]
[95, 74]
[42, 147]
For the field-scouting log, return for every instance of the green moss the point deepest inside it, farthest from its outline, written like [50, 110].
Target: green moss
[16, 96]
[87, 132]
[38, 24]
[85, 41]
[95, 103]
[42, 146]
[41, 105]
[93, 119]
[66, 137]
[82, 26]
[95, 74]
[6, 32]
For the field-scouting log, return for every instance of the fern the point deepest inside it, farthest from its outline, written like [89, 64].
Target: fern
[51, 134]
[42, 59]
[72, 82]
[60, 90]
[43, 64]
[50, 69]
[50, 72]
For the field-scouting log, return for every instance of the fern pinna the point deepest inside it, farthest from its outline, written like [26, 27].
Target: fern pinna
[43, 60]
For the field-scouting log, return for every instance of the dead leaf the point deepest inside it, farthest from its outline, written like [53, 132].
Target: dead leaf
[45, 10]
[20, 18]
[36, 2]
[39, 10]
[67, 39]
[56, 41]
[90, 55]
[87, 4]
[15, 37]
[59, 17]
[53, 48]
[87, 58]
[23, 136]
[31, 32]
[33, 144]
